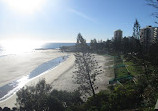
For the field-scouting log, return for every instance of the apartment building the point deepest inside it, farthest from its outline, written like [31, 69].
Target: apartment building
[148, 35]
[118, 34]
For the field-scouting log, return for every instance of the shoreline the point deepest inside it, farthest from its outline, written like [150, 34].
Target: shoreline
[15, 67]
[49, 76]
[61, 78]
[11, 88]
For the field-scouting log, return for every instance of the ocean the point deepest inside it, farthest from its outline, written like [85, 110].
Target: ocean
[55, 45]
[8, 89]
[45, 46]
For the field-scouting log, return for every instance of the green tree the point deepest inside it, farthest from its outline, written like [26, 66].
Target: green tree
[86, 67]
[81, 45]
[117, 45]
[125, 45]
[148, 87]
[37, 98]
[153, 53]
[136, 30]
[97, 47]
[69, 99]
[93, 45]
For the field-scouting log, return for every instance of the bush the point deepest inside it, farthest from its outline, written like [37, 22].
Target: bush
[120, 98]
[67, 98]
[37, 98]
[41, 98]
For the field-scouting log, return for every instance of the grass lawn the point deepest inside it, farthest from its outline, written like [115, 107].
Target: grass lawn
[134, 69]
[119, 68]
[121, 72]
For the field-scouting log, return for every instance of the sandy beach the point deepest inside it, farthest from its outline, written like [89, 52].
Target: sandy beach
[16, 66]
[60, 77]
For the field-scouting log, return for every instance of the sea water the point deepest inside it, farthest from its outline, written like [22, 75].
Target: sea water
[12, 87]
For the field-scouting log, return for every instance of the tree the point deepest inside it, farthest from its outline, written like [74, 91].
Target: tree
[109, 46]
[117, 44]
[81, 45]
[153, 3]
[69, 99]
[93, 45]
[97, 47]
[125, 45]
[136, 30]
[38, 98]
[86, 67]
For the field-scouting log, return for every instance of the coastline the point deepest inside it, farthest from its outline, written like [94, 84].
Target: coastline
[14, 67]
[11, 88]
[60, 78]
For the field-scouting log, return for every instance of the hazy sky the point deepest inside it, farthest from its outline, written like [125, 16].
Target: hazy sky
[62, 20]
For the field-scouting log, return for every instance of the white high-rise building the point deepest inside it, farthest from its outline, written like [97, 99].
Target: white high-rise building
[148, 35]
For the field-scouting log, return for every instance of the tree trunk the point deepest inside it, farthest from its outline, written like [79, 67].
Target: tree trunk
[88, 73]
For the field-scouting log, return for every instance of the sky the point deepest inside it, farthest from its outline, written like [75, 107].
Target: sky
[62, 20]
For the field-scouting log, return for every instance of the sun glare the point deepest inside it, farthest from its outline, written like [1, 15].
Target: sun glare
[25, 6]
[19, 46]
